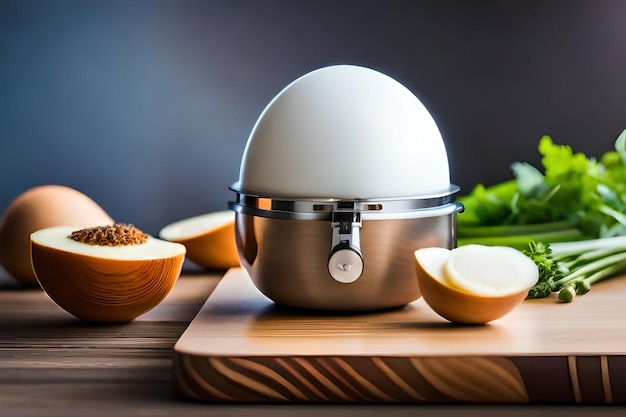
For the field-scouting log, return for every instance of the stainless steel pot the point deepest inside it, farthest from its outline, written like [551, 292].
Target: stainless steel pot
[340, 254]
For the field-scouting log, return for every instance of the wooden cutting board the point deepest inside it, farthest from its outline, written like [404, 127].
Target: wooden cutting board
[241, 347]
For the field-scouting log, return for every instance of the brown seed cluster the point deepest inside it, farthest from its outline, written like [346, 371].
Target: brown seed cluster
[111, 235]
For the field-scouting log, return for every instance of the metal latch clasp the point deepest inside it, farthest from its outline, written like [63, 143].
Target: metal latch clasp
[345, 261]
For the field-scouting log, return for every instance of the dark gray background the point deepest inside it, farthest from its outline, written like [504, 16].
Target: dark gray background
[146, 105]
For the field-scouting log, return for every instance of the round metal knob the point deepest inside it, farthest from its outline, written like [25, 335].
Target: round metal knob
[345, 265]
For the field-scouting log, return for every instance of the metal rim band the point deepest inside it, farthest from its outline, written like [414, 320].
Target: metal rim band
[321, 209]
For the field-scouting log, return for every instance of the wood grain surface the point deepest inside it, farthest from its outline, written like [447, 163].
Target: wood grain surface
[242, 347]
[53, 365]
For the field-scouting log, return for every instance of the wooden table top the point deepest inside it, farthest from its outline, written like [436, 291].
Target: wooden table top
[54, 365]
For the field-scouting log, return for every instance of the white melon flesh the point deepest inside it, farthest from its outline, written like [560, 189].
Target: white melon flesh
[490, 270]
[433, 260]
[57, 238]
[194, 226]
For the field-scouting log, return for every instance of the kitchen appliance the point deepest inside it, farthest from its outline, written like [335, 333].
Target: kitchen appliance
[344, 175]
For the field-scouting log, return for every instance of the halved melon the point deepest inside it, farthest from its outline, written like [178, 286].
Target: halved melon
[107, 282]
[474, 284]
[209, 239]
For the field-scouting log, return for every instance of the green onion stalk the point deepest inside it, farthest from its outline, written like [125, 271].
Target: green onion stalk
[571, 268]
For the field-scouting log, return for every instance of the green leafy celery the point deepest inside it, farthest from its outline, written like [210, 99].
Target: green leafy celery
[575, 197]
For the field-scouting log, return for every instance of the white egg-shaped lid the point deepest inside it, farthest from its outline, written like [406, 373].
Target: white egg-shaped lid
[345, 132]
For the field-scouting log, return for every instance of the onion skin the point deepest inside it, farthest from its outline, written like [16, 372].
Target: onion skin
[102, 289]
[463, 307]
